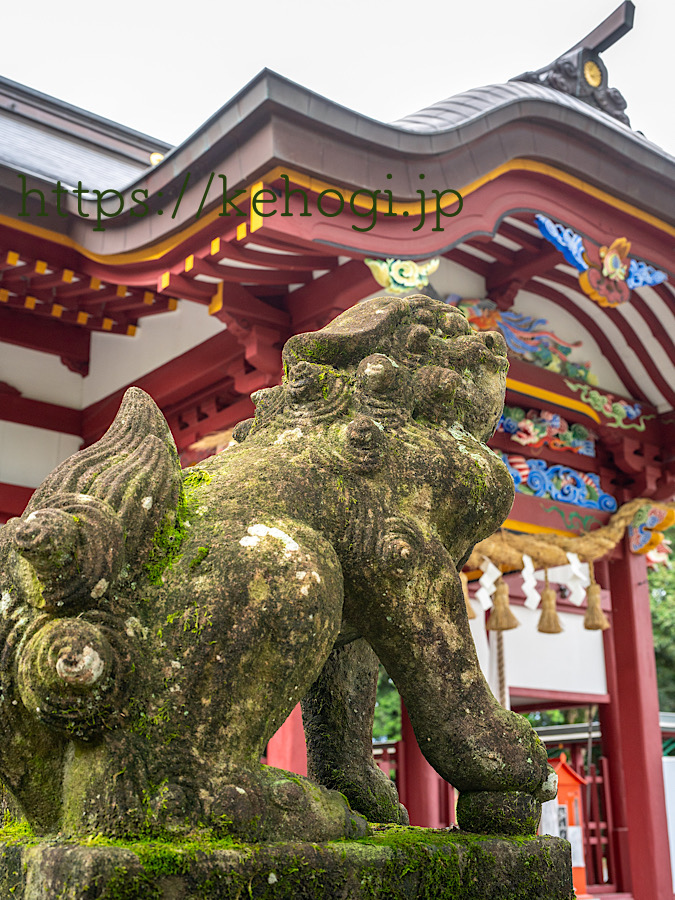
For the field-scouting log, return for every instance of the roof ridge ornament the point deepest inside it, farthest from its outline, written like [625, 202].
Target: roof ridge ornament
[580, 71]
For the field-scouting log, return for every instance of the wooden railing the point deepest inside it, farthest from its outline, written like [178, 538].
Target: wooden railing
[598, 830]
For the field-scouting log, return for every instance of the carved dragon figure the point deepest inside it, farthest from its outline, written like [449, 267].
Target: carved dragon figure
[158, 626]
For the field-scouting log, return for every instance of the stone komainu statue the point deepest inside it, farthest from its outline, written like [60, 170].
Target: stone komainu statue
[158, 626]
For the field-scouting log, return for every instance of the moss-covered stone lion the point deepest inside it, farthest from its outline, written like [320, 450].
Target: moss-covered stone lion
[158, 626]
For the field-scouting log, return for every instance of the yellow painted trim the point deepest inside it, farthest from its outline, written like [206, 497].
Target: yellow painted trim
[166, 278]
[57, 309]
[568, 402]
[29, 302]
[529, 528]
[216, 303]
[121, 290]
[107, 324]
[158, 250]
[172, 304]
[215, 246]
[131, 330]
[189, 263]
[94, 283]
[257, 221]
[82, 318]
[4, 295]
[40, 267]
[67, 275]
[148, 298]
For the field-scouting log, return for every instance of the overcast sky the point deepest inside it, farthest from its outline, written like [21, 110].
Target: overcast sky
[163, 68]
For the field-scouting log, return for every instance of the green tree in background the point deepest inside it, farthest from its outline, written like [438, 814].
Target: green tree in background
[387, 724]
[662, 599]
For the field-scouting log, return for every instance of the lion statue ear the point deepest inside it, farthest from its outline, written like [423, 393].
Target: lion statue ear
[356, 333]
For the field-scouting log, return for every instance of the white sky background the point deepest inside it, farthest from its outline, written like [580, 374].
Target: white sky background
[164, 68]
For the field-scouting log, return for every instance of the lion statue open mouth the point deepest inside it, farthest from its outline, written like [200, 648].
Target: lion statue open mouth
[158, 626]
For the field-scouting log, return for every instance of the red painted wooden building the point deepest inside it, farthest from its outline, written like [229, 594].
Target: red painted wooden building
[183, 270]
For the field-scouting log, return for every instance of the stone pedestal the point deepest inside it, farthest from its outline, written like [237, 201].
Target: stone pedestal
[395, 863]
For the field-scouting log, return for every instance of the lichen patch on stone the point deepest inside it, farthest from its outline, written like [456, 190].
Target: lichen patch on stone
[291, 434]
[99, 589]
[257, 532]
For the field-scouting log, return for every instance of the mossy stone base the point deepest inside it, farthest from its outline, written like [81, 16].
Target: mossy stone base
[396, 863]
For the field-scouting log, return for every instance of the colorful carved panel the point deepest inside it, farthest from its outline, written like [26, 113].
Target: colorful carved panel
[610, 280]
[618, 413]
[538, 429]
[527, 337]
[400, 276]
[560, 483]
[645, 532]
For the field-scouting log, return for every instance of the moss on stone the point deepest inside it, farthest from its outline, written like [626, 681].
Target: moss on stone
[394, 863]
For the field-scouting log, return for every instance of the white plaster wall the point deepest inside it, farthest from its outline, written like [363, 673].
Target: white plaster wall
[28, 455]
[116, 359]
[451, 278]
[573, 660]
[40, 376]
[479, 635]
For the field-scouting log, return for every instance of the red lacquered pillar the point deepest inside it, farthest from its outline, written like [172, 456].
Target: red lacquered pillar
[640, 734]
[287, 749]
[422, 783]
[611, 726]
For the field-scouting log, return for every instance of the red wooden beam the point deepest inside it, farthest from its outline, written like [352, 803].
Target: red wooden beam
[596, 331]
[289, 261]
[315, 304]
[238, 275]
[13, 500]
[473, 263]
[526, 266]
[526, 240]
[617, 317]
[486, 244]
[48, 335]
[23, 411]
[187, 428]
[240, 303]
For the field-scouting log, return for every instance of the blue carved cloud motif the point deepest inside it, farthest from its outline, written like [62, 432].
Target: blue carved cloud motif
[641, 275]
[559, 483]
[570, 244]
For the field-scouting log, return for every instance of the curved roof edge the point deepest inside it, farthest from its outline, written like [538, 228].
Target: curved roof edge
[273, 121]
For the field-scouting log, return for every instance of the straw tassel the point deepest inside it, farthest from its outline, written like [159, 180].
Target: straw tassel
[501, 617]
[595, 619]
[549, 623]
[470, 611]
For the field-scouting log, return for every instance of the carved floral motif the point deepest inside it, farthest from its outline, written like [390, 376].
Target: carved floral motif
[645, 532]
[400, 276]
[537, 429]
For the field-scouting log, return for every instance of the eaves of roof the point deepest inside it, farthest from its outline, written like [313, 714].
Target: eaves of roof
[275, 122]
